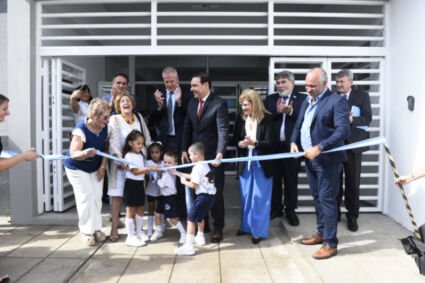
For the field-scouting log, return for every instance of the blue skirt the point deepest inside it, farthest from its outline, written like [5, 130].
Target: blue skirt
[256, 192]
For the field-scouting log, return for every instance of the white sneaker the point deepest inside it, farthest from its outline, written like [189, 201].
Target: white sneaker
[149, 233]
[143, 237]
[134, 242]
[182, 239]
[185, 250]
[156, 235]
[200, 240]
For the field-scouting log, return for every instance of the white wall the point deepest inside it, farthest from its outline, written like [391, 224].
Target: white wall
[405, 129]
[20, 90]
[3, 64]
[95, 70]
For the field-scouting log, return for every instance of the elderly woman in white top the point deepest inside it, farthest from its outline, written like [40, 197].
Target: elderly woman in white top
[121, 125]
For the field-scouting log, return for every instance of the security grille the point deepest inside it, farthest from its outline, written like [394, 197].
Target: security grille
[368, 76]
[59, 79]
[253, 24]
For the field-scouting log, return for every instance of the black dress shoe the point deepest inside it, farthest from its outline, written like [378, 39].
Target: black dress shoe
[255, 241]
[292, 218]
[217, 237]
[275, 214]
[352, 224]
[241, 233]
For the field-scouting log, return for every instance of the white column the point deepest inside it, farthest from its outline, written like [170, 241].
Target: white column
[21, 91]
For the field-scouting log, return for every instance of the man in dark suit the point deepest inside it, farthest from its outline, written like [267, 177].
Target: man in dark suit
[322, 125]
[169, 110]
[167, 118]
[284, 105]
[207, 121]
[360, 118]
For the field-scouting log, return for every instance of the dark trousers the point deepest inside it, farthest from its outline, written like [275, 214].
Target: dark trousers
[352, 170]
[324, 186]
[171, 144]
[217, 210]
[288, 170]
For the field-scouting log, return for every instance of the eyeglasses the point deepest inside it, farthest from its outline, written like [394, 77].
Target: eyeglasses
[104, 117]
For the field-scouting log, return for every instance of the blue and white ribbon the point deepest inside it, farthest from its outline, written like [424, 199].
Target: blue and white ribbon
[365, 143]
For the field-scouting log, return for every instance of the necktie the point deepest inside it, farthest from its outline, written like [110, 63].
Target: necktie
[284, 98]
[170, 113]
[201, 102]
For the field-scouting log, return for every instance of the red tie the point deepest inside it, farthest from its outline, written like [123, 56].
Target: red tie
[201, 102]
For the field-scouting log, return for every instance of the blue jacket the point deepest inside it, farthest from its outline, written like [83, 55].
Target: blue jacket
[330, 127]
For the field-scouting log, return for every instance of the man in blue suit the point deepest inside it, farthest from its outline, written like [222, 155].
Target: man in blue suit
[322, 124]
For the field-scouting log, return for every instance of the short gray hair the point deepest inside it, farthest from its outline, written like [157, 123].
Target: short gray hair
[345, 73]
[285, 75]
[323, 75]
[169, 70]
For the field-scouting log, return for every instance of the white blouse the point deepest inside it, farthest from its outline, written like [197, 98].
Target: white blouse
[119, 131]
[252, 134]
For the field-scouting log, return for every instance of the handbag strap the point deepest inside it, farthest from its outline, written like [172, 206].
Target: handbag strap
[140, 122]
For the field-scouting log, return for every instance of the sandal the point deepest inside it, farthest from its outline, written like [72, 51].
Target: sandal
[114, 239]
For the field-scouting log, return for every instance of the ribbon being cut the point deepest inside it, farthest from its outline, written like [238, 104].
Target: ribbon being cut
[369, 142]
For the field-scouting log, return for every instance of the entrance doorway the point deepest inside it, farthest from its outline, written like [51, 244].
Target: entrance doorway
[230, 74]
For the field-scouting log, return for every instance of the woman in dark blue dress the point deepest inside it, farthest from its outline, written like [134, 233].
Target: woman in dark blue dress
[253, 133]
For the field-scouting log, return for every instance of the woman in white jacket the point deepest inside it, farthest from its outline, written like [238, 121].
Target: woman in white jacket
[121, 125]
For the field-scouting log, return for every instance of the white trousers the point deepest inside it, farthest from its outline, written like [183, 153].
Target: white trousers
[88, 197]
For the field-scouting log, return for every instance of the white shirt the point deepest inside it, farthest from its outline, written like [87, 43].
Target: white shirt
[136, 159]
[81, 115]
[119, 131]
[252, 134]
[153, 189]
[167, 183]
[201, 177]
[282, 127]
[173, 102]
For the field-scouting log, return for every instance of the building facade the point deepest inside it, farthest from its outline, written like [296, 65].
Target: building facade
[241, 43]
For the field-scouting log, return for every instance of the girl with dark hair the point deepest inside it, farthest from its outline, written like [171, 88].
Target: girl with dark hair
[153, 191]
[134, 189]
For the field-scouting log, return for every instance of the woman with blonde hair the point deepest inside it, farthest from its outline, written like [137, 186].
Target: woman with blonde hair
[121, 125]
[253, 133]
[85, 170]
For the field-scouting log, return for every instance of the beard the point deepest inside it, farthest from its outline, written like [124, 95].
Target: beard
[284, 92]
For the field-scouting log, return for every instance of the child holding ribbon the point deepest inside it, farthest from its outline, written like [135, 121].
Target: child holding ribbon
[202, 181]
[153, 191]
[167, 205]
[134, 189]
